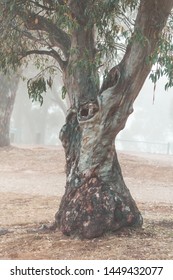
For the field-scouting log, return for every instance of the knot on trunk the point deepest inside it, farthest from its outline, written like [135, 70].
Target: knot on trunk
[87, 111]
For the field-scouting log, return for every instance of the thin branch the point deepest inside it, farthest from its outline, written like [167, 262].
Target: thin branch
[28, 35]
[43, 71]
[127, 21]
[51, 53]
[43, 42]
[42, 6]
[57, 36]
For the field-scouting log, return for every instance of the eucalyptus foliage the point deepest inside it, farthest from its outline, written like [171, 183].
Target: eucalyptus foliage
[44, 29]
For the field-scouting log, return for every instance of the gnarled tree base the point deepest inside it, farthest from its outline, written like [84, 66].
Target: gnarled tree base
[96, 208]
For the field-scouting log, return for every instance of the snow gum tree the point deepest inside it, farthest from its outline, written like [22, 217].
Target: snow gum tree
[83, 38]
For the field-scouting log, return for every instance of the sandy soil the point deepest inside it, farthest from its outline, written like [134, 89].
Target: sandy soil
[32, 181]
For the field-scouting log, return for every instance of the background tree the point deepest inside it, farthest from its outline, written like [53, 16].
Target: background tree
[32, 124]
[80, 36]
[8, 88]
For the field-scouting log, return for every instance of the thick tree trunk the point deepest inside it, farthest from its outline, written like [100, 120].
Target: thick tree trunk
[8, 89]
[96, 198]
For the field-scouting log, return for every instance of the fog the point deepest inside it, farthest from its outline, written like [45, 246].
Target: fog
[32, 124]
[148, 129]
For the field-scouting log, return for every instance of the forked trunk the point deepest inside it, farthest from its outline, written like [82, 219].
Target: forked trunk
[96, 198]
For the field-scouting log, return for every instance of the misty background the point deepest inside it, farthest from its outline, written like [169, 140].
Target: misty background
[148, 129]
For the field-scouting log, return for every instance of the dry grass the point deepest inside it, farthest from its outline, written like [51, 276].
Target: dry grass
[22, 213]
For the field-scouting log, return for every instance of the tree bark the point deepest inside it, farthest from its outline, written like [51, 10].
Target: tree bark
[8, 88]
[96, 199]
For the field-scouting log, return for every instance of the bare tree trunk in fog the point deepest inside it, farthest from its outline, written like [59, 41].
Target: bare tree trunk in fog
[8, 88]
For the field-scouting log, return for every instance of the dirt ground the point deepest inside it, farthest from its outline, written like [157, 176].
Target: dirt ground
[32, 181]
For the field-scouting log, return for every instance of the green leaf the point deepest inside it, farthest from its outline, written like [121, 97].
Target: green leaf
[63, 92]
[36, 89]
[49, 82]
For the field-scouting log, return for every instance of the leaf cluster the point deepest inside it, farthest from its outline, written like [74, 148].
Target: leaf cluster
[162, 58]
[38, 85]
[45, 28]
[113, 21]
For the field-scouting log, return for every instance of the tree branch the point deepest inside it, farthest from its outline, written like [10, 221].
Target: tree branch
[51, 53]
[57, 36]
[150, 21]
[125, 80]
[43, 6]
